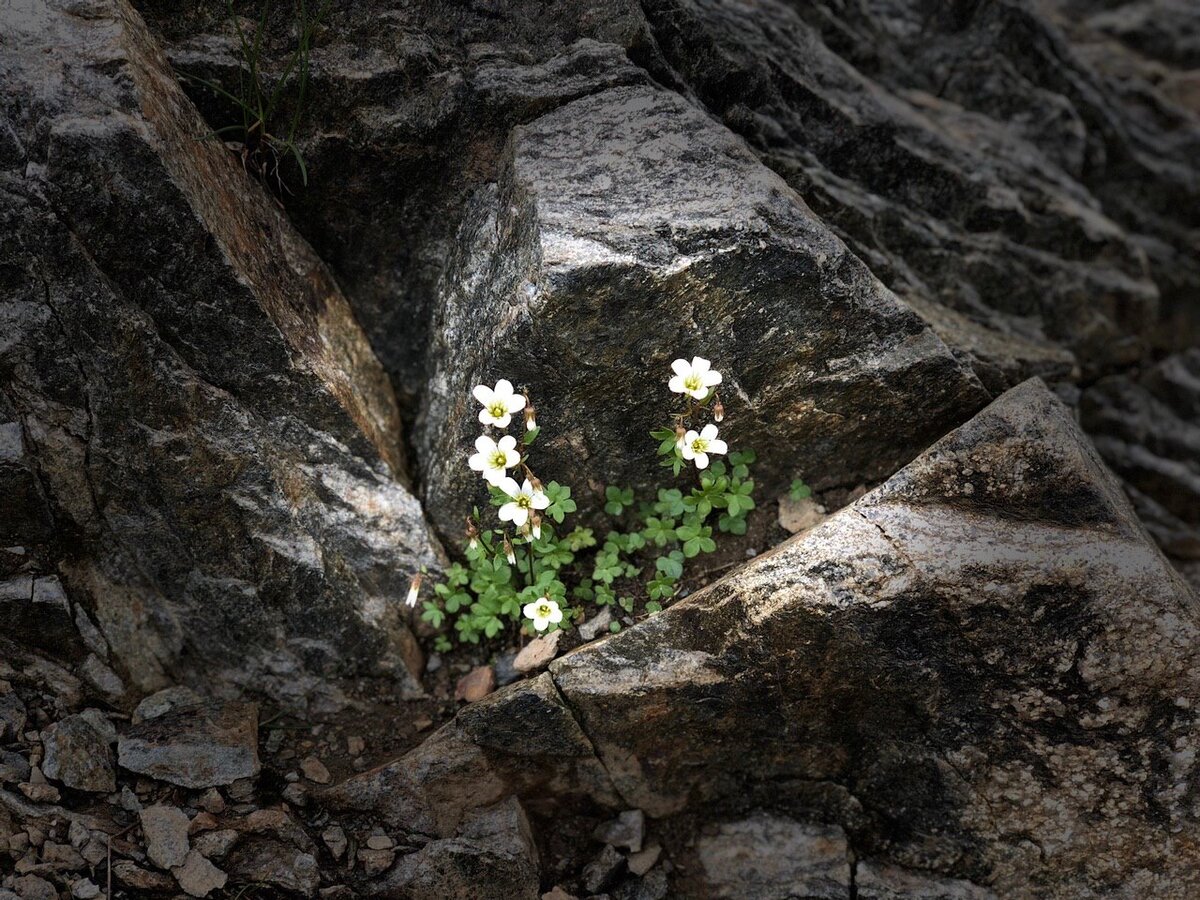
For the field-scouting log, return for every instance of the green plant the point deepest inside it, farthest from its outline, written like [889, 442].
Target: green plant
[799, 490]
[517, 575]
[265, 136]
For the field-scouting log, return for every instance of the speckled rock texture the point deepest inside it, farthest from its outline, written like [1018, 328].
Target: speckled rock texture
[983, 674]
[628, 227]
[200, 441]
[1019, 175]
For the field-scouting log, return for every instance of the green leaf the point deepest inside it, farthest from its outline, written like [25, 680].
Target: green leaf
[531, 435]
[799, 490]
[614, 627]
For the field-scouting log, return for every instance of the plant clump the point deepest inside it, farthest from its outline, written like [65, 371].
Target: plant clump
[527, 572]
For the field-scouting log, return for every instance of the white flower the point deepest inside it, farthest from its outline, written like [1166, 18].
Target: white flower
[544, 612]
[499, 403]
[698, 446]
[494, 457]
[414, 588]
[524, 500]
[694, 378]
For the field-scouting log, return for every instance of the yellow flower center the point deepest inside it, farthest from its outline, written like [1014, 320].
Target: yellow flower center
[499, 460]
[543, 610]
[498, 410]
[693, 382]
[524, 501]
[699, 445]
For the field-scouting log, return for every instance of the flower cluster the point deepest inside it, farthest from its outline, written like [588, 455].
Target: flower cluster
[518, 570]
[697, 381]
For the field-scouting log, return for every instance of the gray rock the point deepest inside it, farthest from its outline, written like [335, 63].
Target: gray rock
[603, 871]
[103, 725]
[12, 716]
[947, 661]
[1148, 429]
[215, 844]
[164, 701]
[101, 677]
[538, 653]
[495, 840]
[13, 767]
[166, 832]
[32, 887]
[202, 409]
[765, 856]
[335, 839]
[78, 755]
[596, 625]
[627, 830]
[628, 229]
[36, 612]
[214, 743]
[267, 861]
[883, 882]
[198, 877]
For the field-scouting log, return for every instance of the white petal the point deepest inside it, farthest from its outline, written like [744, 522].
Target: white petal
[502, 421]
[690, 436]
[676, 384]
[712, 379]
[519, 516]
[556, 616]
[527, 488]
[540, 501]
[485, 444]
[700, 365]
[516, 403]
[709, 431]
[484, 394]
[529, 610]
[504, 389]
[511, 458]
[486, 417]
[478, 462]
[494, 476]
[510, 487]
[701, 460]
[681, 368]
[508, 511]
[716, 446]
[540, 624]
[686, 451]
[506, 443]
[699, 393]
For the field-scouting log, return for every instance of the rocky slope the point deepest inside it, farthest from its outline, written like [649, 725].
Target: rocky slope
[234, 417]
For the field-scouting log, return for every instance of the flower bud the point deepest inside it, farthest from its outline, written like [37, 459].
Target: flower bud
[414, 588]
[509, 553]
[537, 527]
[718, 411]
[534, 482]
[530, 418]
[680, 433]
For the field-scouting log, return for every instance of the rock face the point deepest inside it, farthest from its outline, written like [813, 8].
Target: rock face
[628, 229]
[982, 673]
[1147, 427]
[198, 436]
[1022, 176]
[196, 747]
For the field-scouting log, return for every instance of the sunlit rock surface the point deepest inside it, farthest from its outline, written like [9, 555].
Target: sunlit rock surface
[628, 229]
